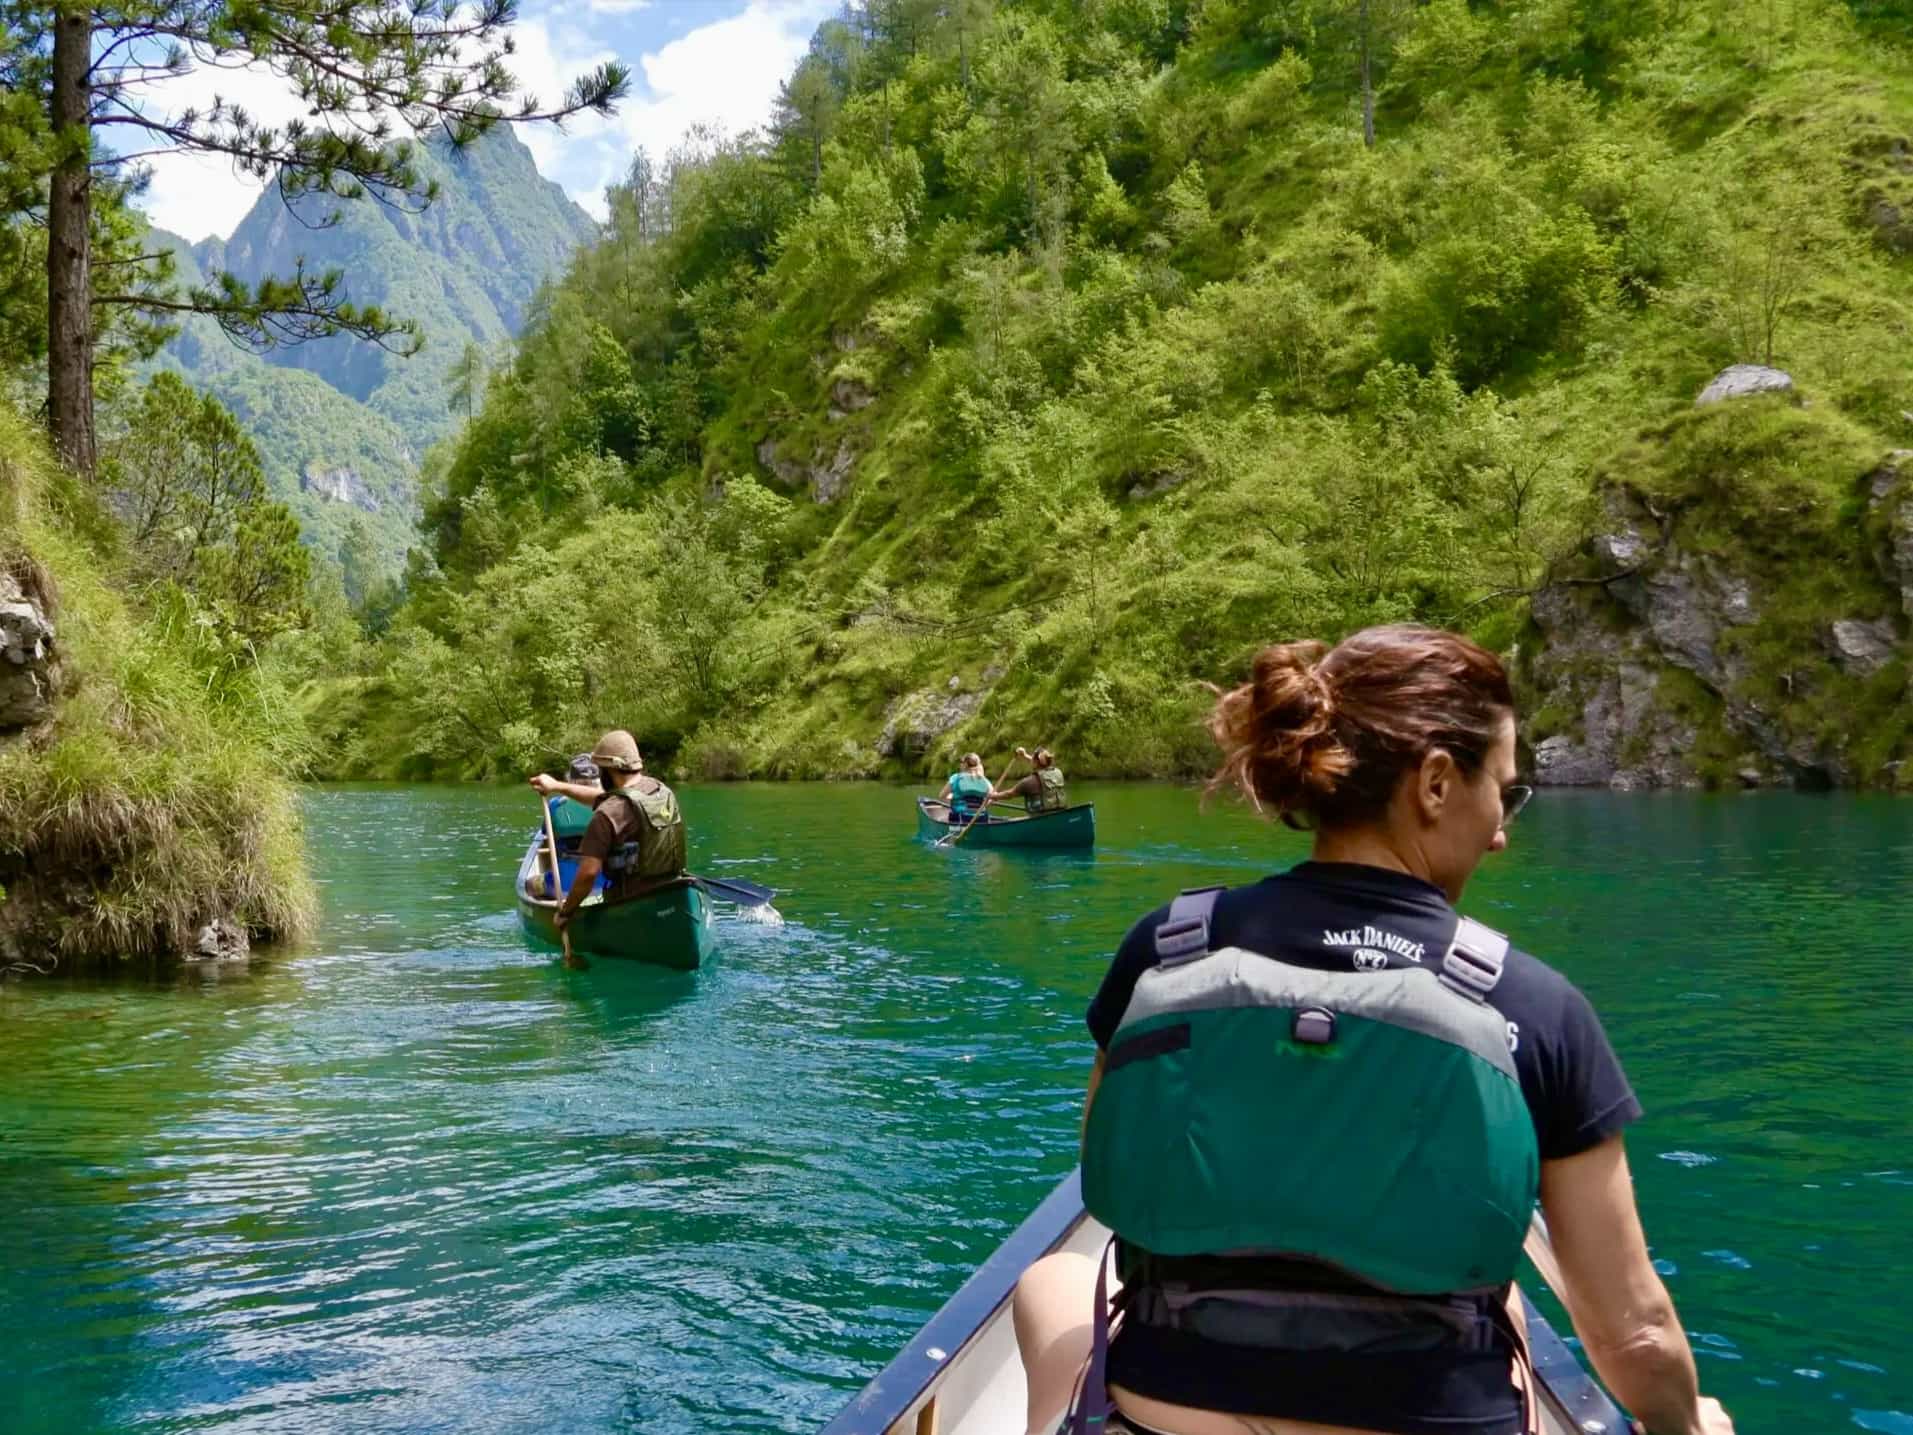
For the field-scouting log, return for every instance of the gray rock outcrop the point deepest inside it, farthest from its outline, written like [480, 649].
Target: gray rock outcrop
[29, 671]
[914, 722]
[849, 396]
[1887, 492]
[1863, 647]
[1739, 381]
[1893, 225]
[340, 485]
[826, 478]
[1649, 653]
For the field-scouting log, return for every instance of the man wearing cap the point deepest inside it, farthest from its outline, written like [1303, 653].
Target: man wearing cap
[636, 832]
[1044, 789]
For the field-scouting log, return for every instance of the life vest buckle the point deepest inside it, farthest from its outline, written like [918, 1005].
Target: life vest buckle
[1313, 1026]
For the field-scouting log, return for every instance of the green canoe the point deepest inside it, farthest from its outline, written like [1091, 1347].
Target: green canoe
[669, 926]
[1071, 827]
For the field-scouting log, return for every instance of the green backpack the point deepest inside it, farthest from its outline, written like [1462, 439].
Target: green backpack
[659, 852]
[1249, 1106]
[1052, 794]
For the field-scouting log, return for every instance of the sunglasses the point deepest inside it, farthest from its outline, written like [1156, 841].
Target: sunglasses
[1514, 797]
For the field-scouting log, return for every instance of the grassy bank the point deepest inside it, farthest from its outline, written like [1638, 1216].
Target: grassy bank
[154, 798]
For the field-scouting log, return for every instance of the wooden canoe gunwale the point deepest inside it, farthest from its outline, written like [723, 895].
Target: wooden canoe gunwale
[897, 1397]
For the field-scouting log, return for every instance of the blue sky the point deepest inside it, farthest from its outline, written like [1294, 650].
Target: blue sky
[692, 61]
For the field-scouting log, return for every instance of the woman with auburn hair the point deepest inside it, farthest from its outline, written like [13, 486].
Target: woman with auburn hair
[1324, 1104]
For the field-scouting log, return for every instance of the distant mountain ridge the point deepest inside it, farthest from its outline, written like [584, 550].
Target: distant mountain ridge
[341, 422]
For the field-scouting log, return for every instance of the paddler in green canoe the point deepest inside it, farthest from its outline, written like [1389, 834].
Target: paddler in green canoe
[636, 833]
[1043, 790]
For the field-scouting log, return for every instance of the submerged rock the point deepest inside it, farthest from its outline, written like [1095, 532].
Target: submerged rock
[1739, 381]
[220, 940]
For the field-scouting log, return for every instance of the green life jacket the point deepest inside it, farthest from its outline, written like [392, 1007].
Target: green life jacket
[1052, 795]
[1253, 1113]
[658, 853]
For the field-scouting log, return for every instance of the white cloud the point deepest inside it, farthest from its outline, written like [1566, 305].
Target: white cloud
[725, 72]
[195, 195]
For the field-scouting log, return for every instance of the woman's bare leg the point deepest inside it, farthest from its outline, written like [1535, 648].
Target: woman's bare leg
[1052, 1314]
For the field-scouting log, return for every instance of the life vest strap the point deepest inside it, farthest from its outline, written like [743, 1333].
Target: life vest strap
[1475, 958]
[1186, 932]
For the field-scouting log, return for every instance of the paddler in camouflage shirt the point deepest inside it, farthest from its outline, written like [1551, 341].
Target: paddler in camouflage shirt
[636, 833]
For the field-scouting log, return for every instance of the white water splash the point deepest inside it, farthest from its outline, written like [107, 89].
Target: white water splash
[762, 915]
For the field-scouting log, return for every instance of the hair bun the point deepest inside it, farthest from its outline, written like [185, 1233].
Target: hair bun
[1277, 732]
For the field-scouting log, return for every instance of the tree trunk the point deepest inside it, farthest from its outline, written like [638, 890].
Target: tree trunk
[69, 247]
[1368, 87]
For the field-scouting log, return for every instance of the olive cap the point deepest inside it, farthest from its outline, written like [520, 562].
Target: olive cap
[618, 750]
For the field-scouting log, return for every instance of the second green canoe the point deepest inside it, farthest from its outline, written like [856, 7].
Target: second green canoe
[1071, 827]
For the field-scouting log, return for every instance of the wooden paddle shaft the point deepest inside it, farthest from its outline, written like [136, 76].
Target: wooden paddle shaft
[557, 874]
[1540, 1250]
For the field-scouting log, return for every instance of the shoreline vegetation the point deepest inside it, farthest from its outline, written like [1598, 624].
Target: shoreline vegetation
[145, 798]
[1027, 374]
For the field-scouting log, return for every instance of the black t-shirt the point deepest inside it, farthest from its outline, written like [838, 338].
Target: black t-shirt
[1340, 917]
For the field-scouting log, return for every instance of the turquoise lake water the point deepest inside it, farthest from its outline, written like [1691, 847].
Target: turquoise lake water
[417, 1177]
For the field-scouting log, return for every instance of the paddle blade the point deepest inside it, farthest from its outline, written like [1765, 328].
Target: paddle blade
[745, 894]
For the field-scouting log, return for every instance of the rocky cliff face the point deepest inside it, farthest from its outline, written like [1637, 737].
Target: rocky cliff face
[338, 485]
[1670, 661]
[29, 665]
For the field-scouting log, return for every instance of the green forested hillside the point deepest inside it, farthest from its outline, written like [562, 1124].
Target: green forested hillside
[342, 424]
[1052, 355]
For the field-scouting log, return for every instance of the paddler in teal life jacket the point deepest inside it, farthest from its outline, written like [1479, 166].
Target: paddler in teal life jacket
[636, 833]
[967, 790]
[1042, 790]
[1323, 1104]
[569, 817]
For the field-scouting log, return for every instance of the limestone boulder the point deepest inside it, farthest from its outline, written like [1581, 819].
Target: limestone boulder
[1740, 381]
[220, 940]
[29, 668]
[916, 720]
[1863, 647]
[1888, 491]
